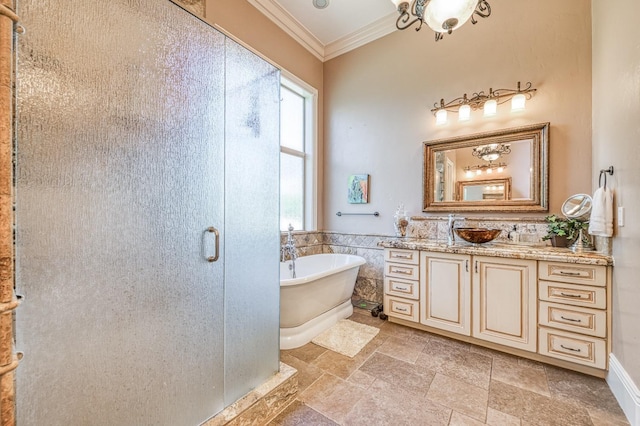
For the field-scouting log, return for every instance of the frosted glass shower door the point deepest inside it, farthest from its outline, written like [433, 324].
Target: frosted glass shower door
[120, 160]
[252, 241]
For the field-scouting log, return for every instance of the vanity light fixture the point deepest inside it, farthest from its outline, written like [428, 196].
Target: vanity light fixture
[471, 171]
[463, 105]
[442, 16]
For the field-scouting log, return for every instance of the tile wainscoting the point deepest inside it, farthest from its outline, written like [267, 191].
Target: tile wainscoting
[369, 285]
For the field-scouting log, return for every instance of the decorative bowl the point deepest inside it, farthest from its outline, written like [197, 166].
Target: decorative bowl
[477, 235]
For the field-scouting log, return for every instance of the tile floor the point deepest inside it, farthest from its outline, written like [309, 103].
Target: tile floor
[410, 377]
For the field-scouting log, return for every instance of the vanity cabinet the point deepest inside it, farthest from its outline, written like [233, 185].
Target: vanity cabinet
[445, 286]
[574, 319]
[401, 284]
[504, 301]
[551, 311]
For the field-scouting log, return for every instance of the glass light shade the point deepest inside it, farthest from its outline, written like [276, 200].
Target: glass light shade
[490, 108]
[478, 172]
[445, 15]
[491, 157]
[468, 173]
[500, 169]
[517, 102]
[464, 113]
[441, 116]
[489, 170]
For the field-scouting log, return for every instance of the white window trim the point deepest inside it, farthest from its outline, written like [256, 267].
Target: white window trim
[311, 147]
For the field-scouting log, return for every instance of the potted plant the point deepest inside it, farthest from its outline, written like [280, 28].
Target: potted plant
[561, 231]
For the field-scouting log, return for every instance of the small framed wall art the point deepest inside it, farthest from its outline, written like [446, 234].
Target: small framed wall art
[358, 189]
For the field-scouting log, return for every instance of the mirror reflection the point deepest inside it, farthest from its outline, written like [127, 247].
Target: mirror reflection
[502, 171]
[484, 190]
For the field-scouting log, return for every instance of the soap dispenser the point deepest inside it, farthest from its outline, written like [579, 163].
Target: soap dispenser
[400, 221]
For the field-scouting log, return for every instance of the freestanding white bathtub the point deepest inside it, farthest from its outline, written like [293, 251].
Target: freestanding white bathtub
[317, 298]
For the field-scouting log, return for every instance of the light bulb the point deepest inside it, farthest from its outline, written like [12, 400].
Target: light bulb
[464, 113]
[500, 169]
[489, 170]
[468, 174]
[517, 102]
[478, 172]
[441, 116]
[490, 108]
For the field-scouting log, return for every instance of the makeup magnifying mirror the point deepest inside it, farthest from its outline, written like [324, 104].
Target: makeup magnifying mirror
[578, 207]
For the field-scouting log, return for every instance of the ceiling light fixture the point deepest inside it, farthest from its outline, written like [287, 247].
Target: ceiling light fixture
[442, 16]
[492, 151]
[320, 4]
[489, 103]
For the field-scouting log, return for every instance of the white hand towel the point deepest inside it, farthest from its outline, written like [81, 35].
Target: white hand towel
[601, 221]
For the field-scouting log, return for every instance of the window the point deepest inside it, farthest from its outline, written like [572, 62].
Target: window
[297, 155]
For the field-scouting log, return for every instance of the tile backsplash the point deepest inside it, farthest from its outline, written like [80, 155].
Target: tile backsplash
[529, 230]
[370, 282]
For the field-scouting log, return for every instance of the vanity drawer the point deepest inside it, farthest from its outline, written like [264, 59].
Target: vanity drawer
[401, 308]
[572, 318]
[401, 288]
[572, 273]
[402, 256]
[573, 294]
[397, 270]
[573, 347]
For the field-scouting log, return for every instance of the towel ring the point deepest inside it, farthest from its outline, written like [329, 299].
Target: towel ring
[604, 172]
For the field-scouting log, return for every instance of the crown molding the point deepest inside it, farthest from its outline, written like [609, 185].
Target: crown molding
[272, 10]
[283, 19]
[371, 32]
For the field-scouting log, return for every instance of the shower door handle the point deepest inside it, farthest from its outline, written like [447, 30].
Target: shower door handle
[214, 231]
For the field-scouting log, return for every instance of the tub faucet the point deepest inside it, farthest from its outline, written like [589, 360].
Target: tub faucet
[289, 248]
[451, 238]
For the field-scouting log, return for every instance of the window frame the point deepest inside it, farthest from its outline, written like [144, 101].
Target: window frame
[310, 154]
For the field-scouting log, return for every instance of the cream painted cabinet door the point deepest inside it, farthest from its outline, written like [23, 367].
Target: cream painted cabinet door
[504, 301]
[445, 291]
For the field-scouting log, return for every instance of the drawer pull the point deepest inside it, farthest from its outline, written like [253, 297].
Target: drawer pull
[402, 256]
[401, 309]
[570, 319]
[400, 271]
[401, 288]
[571, 274]
[570, 349]
[577, 296]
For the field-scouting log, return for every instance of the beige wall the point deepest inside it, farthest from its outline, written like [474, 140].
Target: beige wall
[616, 142]
[246, 24]
[378, 97]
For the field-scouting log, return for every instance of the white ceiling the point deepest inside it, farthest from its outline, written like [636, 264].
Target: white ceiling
[342, 26]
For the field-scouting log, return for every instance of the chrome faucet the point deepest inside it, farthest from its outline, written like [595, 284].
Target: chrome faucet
[451, 238]
[289, 249]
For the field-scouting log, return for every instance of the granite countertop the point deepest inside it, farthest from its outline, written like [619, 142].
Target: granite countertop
[514, 251]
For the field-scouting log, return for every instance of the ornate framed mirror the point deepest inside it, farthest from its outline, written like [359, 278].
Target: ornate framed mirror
[504, 171]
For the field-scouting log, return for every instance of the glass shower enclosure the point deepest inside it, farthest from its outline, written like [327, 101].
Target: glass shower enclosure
[146, 201]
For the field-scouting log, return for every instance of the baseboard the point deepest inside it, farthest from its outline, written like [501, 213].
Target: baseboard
[625, 391]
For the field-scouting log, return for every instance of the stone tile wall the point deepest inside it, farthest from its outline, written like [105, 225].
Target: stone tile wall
[194, 6]
[370, 282]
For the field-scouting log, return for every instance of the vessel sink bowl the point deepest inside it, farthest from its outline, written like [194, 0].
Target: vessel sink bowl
[477, 235]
